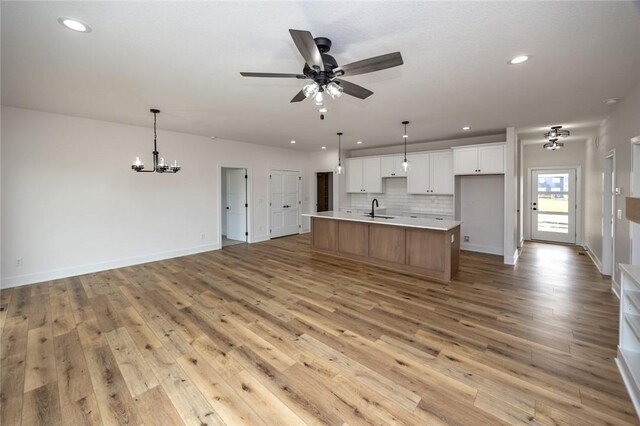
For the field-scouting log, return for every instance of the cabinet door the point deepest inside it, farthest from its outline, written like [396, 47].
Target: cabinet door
[371, 175]
[491, 159]
[397, 161]
[465, 161]
[418, 174]
[441, 173]
[354, 175]
[389, 166]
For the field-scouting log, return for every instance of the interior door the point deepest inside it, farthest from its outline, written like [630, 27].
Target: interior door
[553, 205]
[236, 204]
[285, 203]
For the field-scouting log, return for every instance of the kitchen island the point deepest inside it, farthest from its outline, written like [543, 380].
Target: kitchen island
[421, 246]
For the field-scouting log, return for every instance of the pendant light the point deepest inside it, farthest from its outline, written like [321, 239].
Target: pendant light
[339, 154]
[159, 165]
[405, 136]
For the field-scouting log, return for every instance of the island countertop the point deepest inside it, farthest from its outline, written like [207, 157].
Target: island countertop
[411, 222]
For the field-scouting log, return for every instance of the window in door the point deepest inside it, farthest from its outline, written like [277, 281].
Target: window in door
[553, 205]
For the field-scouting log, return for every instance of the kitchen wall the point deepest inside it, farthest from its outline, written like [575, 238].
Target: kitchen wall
[71, 203]
[395, 196]
[572, 155]
[615, 134]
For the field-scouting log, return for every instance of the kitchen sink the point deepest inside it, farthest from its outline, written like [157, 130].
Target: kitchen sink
[381, 216]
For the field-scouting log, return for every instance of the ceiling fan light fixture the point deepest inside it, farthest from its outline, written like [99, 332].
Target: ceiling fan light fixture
[311, 89]
[318, 98]
[334, 90]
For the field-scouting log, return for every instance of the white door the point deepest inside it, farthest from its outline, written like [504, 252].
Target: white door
[285, 203]
[354, 176]
[418, 174]
[441, 165]
[236, 204]
[371, 175]
[553, 205]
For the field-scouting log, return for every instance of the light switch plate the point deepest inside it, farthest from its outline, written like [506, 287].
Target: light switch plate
[619, 213]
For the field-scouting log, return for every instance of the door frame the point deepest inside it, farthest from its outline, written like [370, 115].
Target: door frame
[608, 265]
[250, 237]
[334, 189]
[578, 197]
[299, 199]
[634, 191]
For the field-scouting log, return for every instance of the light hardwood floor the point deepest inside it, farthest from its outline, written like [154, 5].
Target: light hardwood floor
[271, 334]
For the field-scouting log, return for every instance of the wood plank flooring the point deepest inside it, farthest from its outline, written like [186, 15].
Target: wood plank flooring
[270, 334]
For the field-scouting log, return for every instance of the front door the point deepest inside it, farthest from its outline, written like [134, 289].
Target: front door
[285, 203]
[553, 205]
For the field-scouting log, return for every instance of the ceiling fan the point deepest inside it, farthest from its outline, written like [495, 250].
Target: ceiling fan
[323, 69]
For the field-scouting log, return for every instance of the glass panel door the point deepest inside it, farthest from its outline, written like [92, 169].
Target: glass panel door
[553, 205]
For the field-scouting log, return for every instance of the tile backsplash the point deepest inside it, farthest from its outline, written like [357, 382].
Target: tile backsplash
[395, 197]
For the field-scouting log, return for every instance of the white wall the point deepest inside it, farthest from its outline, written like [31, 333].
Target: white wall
[615, 133]
[481, 209]
[572, 155]
[71, 203]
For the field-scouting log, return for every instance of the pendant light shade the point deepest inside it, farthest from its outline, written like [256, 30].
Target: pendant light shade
[339, 168]
[405, 136]
[159, 166]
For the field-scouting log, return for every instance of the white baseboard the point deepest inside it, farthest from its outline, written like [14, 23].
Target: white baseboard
[260, 238]
[512, 260]
[305, 231]
[482, 249]
[56, 274]
[615, 287]
[594, 258]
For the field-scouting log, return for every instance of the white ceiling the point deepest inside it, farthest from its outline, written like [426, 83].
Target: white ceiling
[185, 58]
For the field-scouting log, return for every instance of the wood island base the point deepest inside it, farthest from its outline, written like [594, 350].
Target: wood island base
[428, 252]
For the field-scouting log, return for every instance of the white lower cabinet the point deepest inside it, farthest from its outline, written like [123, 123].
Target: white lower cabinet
[430, 173]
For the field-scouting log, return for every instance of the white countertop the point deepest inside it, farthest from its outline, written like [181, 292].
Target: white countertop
[437, 225]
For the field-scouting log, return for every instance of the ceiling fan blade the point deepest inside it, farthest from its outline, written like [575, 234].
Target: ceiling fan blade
[354, 89]
[272, 74]
[376, 63]
[308, 49]
[298, 97]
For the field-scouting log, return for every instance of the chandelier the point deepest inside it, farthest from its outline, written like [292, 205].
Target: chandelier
[159, 166]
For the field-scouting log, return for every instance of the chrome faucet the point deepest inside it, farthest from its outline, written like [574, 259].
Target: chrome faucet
[373, 212]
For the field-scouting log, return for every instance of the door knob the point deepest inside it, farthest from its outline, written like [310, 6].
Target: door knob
[227, 207]
[535, 208]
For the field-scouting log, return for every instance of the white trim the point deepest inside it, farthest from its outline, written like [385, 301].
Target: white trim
[512, 260]
[633, 192]
[627, 378]
[614, 176]
[102, 266]
[260, 238]
[594, 258]
[482, 249]
[615, 287]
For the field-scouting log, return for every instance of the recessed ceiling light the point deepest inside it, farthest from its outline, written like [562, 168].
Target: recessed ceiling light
[322, 110]
[324, 147]
[466, 128]
[293, 141]
[359, 142]
[612, 101]
[74, 24]
[519, 59]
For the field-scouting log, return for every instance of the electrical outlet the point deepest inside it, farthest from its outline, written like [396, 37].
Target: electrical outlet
[202, 236]
[18, 261]
[467, 239]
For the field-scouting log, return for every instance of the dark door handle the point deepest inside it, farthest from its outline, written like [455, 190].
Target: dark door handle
[535, 208]
[227, 207]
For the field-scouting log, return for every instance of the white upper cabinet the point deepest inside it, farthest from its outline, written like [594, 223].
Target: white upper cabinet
[392, 166]
[430, 173]
[479, 159]
[364, 175]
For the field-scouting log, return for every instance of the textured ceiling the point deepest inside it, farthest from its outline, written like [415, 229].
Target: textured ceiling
[185, 58]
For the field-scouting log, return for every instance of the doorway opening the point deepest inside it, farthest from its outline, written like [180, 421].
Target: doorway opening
[233, 206]
[284, 203]
[554, 205]
[608, 214]
[324, 191]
